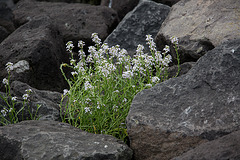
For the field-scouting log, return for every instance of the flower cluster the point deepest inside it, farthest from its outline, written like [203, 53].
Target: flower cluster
[105, 81]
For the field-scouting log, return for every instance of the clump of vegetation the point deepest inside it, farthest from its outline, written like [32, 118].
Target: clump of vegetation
[104, 83]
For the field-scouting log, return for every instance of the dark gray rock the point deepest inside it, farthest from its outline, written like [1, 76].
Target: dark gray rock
[226, 147]
[198, 25]
[180, 113]
[76, 21]
[122, 7]
[166, 2]
[6, 20]
[145, 19]
[49, 140]
[38, 50]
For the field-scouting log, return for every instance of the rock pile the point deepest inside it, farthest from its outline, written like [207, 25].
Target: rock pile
[193, 116]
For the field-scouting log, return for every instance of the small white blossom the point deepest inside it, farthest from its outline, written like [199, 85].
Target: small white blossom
[125, 100]
[117, 91]
[155, 79]
[148, 85]
[25, 96]
[87, 109]
[72, 61]
[127, 74]
[14, 98]
[69, 46]
[87, 85]
[74, 73]
[174, 40]
[96, 39]
[9, 66]
[115, 108]
[10, 110]
[81, 44]
[88, 100]
[4, 112]
[5, 81]
[65, 91]
[28, 90]
[106, 146]
[166, 49]
[232, 50]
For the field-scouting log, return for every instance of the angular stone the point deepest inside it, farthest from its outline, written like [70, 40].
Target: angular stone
[226, 147]
[76, 21]
[38, 50]
[145, 19]
[199, 26]
[180, 113]
[51, 140]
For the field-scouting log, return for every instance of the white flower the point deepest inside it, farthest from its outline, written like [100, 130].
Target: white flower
[10, 110]
[81, 44]
[174, 40]
[69, 46]
[106, 146]
[72, 61]
[25, 96]
[28, 90]
[88, 100]
[140, 49]
[4, 112]
[115, 108]
[5, 81]
[81, 54]
[14, 98]
[87, 85]
[232, 50]
[127, 74]
[9, 66]
[95, 38]
[117, 91]
[166, 49]
[87, 109]
[65, 91]
[155, 79]
[148, 85]
[74, 73]
[125, 100]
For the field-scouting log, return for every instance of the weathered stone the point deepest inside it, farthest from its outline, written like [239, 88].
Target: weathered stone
[48, 100]
[49, 140]
[199, 26]
[184, 68]
[38, 48]
[178, 114]
[75, 21]
[6, 21]
[9, 3]
[226, 147]
[122, 7]
[145, 19]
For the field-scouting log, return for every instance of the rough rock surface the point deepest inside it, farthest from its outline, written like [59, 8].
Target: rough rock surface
[38, 50]
[75, 21]
[49, 140]
[145, 19]
[6, 21]
[122, 7]
[199, 26]
[226, 147]
[180, 113]
[48, 100]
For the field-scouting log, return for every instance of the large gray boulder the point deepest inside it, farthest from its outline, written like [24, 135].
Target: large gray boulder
[226, 147]
[180, 113]
[50, 140]
[199, 26]
[76, 21]
[145, 19]
[37, 51]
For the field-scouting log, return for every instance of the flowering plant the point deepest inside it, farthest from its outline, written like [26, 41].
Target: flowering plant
[9, 112]
[104, 83]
